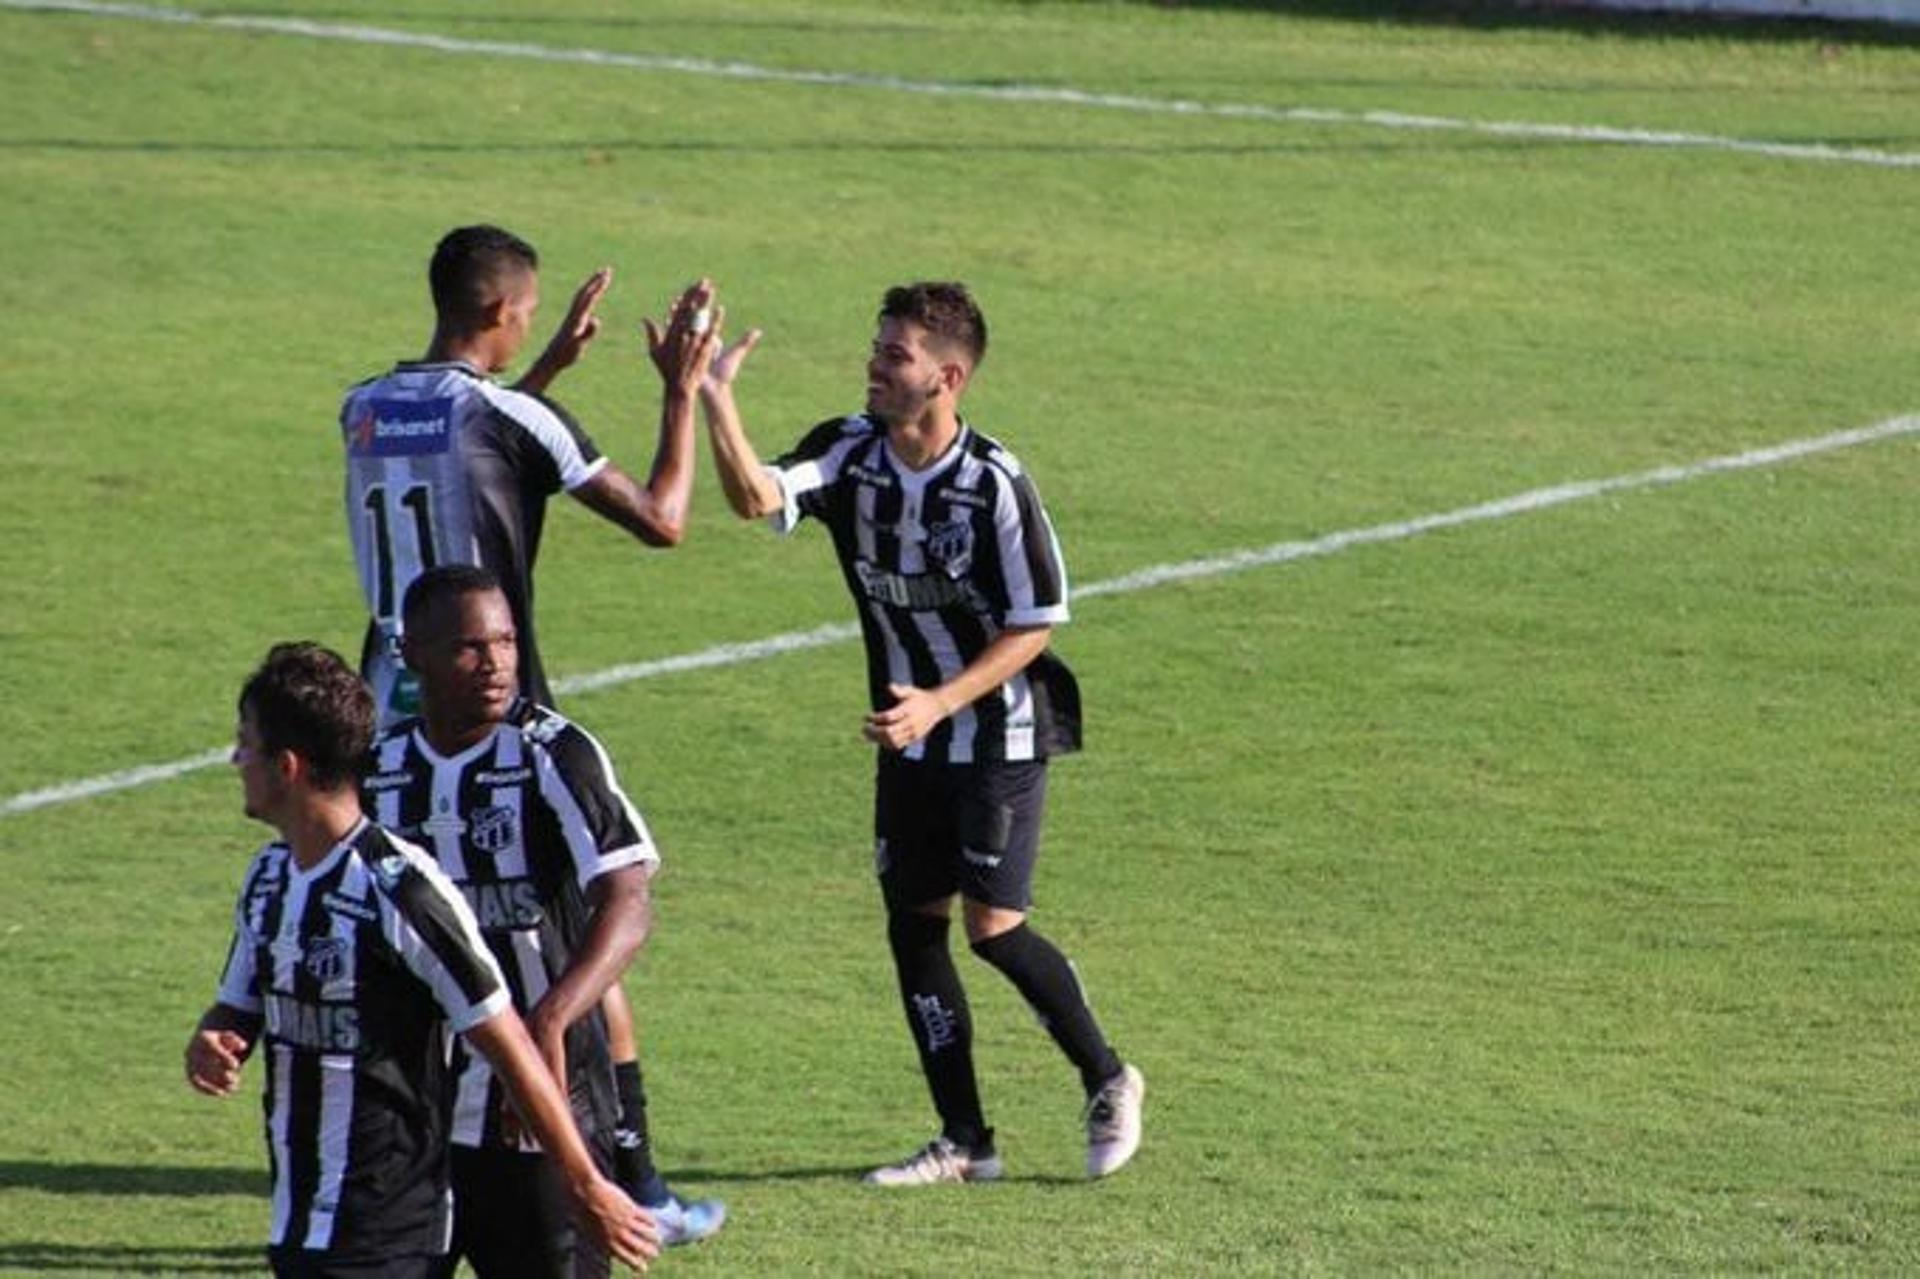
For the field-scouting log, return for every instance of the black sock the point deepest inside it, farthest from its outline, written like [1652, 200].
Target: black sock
[1043, 975]
[942, 1028]
[632, 1147]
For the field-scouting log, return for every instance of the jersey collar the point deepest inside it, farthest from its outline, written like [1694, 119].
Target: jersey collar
[920, 478]
[461, 758]
[438, 366]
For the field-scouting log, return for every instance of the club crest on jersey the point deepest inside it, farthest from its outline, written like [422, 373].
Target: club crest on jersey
[950, 546]
[326, 958]
[492, 830]
[401, 428]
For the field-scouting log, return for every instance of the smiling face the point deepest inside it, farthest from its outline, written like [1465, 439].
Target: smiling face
[467, 656]
[905, 375]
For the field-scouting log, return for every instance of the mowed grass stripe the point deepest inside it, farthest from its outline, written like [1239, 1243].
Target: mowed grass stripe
[722, 655]
[1592, 134]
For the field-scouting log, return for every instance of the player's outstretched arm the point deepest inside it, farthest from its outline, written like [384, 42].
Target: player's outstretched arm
[750, 491]
[627, 1230]
[219, 1047]
[579, 327]
[656, 512]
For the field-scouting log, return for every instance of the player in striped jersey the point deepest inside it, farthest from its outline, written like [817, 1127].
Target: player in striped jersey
[352, 958]
[445, 466]
[956, 574]
[522, 810]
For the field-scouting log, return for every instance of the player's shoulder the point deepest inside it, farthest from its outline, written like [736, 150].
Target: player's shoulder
[546, 729]
[837, 430]
[410, 375]
[399, 730]
[389, 761]
[999, 460]
[859, 424]
[268, 869]
[402, 875]
[536, 722]
[389, 856]
[525, 408]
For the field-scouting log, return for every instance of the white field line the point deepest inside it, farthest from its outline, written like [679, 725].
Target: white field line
[1144, 579]
[1599, 134]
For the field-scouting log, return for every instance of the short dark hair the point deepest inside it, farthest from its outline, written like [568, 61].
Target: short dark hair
[945, 310]
[306, 699]
[470, 266]
[439, 586]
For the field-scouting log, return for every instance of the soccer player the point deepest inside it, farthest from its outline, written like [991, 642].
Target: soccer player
[522, 810]
[446, 466]
[352, 957]
[957, 579]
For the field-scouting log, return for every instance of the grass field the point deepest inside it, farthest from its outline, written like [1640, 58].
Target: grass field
[1536, 895]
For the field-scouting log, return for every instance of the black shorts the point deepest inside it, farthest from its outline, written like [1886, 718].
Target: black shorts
[972, 829]
[512, 1216]
[304, 1263]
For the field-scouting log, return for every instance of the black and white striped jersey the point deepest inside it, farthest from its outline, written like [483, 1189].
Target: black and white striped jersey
[939, 562]
[523, 822]
[445, 466]
[358, 967]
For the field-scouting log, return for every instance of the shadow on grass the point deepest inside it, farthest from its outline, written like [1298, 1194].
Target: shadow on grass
[842, 1175]
[1487, 15]
[1560, 15]
[46, 1258]
[115, 1179]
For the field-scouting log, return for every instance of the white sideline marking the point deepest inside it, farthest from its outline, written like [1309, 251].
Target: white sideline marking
[1605, 135]
[1144, 579]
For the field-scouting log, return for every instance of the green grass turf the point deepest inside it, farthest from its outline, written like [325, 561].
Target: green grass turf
[1529, 897]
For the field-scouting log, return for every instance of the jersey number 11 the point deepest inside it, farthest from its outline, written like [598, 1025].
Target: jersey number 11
[416, 499]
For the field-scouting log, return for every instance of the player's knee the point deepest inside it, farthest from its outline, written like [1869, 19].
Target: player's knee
[1004, 948]
[985, 922]
[909, 931]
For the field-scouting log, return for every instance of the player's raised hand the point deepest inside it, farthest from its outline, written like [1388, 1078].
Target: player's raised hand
[685, 344]
[581, 324]
[578, 328]
[726, 364]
